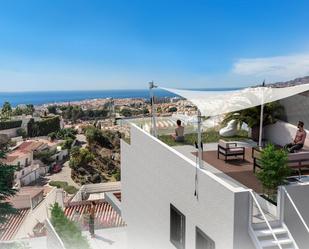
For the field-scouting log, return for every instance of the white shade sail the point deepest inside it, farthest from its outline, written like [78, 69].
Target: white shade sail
[213, 103]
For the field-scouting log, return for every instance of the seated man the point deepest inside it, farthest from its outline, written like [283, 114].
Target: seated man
[179, 132]
[299, 140]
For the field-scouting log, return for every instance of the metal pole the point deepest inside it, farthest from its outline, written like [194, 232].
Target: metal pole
[261, 116]
[153, 109]
[199, 139]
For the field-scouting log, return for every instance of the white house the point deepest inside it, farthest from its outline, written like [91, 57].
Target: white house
[168, 203]
[22, 157]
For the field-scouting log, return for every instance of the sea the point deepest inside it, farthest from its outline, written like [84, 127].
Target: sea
[47, 97]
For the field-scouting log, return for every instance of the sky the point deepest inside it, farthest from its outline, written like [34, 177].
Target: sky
[116, 44]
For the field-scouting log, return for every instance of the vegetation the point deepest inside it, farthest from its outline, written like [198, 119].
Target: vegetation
[6, 111]
[100, 161]
[67, 134]
[11, 124]
[126, 112]
[45, 156]
[6, 184]
[64, 185]
[80, 157]
[274, 169]
[97, 136]
[272, 113]
[27, 110]
[251, 116]
[76, 112]
[172, 109]
[21, 132]
[68, 231]
[210, 136]
[52, 109]
[43, 127]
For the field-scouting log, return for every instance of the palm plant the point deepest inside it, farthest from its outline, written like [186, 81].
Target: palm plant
[272, 113]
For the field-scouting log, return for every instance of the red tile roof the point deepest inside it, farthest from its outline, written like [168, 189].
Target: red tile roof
[105, 215]
[13, 223]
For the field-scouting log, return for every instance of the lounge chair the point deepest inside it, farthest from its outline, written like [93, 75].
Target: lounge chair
[230, 149]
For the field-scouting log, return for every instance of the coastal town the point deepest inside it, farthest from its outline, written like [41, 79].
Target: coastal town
[67, 146]
[154, 124]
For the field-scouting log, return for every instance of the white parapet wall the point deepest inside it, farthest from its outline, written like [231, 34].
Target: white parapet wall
[155, 176]
[282, 133]
[296, 212]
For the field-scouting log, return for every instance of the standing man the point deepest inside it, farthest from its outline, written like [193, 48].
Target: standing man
[91, 219]
[299, 140]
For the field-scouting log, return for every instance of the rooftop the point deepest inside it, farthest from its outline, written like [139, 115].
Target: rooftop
[13, 223]
[105, 215]
[24, 195]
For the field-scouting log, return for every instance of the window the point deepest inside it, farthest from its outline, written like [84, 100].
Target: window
[202, 241]
[177, 228]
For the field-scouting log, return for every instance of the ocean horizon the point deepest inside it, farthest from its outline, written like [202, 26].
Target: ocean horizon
[49, 97]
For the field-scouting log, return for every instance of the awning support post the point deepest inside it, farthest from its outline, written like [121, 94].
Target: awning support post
[261, 117]
[199, 139]
[153, 109]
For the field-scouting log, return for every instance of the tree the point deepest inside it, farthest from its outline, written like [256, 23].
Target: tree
[172, 109]
[80, 157]
[52, 109]
[6, 190]
[126, 112]
[67, 144]
[145, 111]
[6, 110]
[45, 156]
[274, 169]
[95, 135]
[29, 109]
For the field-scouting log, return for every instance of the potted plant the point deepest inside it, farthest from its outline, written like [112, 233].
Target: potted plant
[274, 170]
[251, 116]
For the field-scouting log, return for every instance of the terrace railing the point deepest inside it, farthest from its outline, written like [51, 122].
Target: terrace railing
[255, 201]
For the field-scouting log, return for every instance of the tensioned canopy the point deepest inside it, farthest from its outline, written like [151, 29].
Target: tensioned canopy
[213, 103]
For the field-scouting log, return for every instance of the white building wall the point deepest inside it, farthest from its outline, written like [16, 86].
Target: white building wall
[155, 176]
[298, 194]
[282, 133]
[39, 213]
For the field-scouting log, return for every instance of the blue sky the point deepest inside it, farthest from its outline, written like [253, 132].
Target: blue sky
[100, 44]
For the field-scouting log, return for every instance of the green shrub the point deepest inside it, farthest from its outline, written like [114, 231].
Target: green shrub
[70, 189]
[58, 184]
[64, 185]
[21, 132]
[68, 231]
[5, 125]
[274, 169]
[43, 127]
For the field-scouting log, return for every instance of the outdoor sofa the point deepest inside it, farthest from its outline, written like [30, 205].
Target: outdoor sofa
[297, 160]
[230, 149]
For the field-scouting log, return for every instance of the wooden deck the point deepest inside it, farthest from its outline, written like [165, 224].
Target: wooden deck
[241, 171]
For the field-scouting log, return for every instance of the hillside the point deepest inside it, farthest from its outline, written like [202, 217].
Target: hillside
[100, 160]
